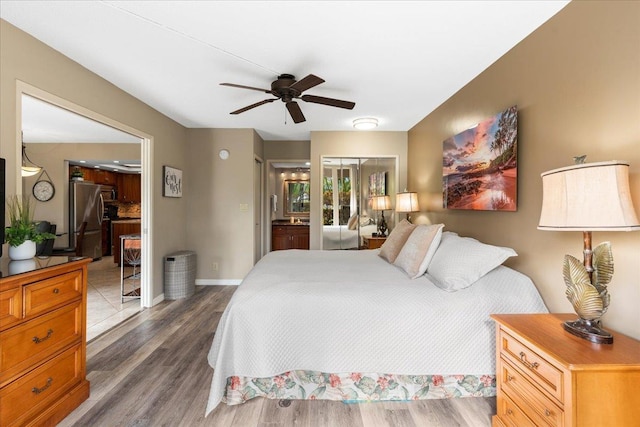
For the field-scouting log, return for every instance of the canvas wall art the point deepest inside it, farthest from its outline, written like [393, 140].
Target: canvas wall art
[172, 182]
[378, 184]
[479, 165]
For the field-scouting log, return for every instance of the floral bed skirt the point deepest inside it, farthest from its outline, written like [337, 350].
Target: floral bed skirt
[358, 387]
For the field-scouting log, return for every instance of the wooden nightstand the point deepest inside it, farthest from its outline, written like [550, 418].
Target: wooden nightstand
[548, 377]
[370, 242]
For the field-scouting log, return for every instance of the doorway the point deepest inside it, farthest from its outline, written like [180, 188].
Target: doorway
[92, 123]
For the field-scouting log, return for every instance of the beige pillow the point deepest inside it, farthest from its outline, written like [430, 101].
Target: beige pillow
[353, 222]
[419, 248]
[398, 236]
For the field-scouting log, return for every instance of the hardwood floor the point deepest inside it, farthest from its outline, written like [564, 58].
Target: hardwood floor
[152, 370]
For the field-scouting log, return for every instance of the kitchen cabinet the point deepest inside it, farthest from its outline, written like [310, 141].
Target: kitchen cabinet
[119, 228]
[97, 176]
[129, 187]
[293, 236]
[42, 331]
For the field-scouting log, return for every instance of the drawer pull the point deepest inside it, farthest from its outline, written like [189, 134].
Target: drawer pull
[509, 378]
[37, 390]
[523, 359]
[56, 290]
[509, 411]
[38, 340]
[547, 412]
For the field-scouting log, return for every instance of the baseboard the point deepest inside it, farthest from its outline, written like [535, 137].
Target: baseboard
[213, 282]
[157, 299]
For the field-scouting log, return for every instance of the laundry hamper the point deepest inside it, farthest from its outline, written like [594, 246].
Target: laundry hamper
[179, 275]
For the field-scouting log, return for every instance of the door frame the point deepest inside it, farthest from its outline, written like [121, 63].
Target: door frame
[146, 160]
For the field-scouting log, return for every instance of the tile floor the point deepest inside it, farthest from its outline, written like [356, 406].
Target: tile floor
[104, 307]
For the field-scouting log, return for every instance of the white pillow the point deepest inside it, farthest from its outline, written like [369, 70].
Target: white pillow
[415, 255]
[353, 222]
[396, 240]
[461, 261]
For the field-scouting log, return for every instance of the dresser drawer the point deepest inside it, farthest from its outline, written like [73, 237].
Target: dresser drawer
[10, 307]
[541, 409]
[509, 413]
[42, 296]
[32, 342]
[30, 394]
[542, 372]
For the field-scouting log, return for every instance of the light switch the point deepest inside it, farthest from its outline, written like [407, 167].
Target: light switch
[244, 207]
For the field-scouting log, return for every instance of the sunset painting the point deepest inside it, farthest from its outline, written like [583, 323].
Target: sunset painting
[479, 165]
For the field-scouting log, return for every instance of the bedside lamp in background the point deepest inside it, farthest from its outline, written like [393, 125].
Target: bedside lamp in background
[407, 202]
[588, 197]
[381, 203]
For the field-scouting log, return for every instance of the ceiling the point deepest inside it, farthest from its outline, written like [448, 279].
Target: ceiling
[397, 60]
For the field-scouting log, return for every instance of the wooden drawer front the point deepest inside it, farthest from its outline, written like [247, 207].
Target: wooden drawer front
[279, 230]
[541, 371]
[32, 342]
[541, 409]
[10, 306]
[41, 296]
[510, 414]
[33, 392]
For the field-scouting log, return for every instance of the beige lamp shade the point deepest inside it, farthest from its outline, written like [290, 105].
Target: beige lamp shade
[380, 203]
[588, 197]
[407, 202]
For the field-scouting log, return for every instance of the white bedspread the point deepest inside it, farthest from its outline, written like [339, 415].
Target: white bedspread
[351, 311]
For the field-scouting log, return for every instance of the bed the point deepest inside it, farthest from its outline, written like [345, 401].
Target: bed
[348, 325]
[341, 237]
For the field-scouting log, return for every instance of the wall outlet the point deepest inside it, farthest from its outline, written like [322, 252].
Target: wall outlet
[214, 266]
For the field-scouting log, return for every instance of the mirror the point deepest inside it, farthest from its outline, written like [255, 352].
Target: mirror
[296, 197]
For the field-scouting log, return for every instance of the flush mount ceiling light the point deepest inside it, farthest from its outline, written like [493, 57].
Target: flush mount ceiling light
[365, 123]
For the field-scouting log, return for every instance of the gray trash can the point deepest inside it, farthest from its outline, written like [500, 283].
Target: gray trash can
[179, 275]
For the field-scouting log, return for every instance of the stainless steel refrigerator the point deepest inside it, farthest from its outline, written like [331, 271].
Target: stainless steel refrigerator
[86, 204]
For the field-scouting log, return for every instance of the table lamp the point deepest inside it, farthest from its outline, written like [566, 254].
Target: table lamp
[588, 197]
[407, 202]
[381, 203]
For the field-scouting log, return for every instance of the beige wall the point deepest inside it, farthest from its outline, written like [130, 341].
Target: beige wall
[350, 144]
[576, 81]
[24, 58]
[221, 203]
[285, 150]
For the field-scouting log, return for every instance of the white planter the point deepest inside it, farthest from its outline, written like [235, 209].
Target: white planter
[22, 266]
[24, 251]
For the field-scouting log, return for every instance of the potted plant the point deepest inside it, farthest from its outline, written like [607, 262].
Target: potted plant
[77, 174]
[21, 234]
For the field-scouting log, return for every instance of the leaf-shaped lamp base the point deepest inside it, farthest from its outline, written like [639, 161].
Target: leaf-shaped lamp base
[589, 330]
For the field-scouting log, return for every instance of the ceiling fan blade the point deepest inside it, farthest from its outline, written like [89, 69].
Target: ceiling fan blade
[257, 104]
[328, 101]
[307, 83]
[245, 87]
[295, 111]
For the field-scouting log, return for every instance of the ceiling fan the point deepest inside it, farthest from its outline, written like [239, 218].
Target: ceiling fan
[287, 89]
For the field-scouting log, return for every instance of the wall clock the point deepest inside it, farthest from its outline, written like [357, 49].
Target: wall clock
[224, 154]
[43, 189]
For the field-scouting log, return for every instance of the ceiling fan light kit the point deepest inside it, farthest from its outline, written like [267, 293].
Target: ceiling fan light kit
[365, 123]
[287, 89]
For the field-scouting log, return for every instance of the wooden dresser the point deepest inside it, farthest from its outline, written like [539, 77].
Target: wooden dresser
[289, 236]
[548, 377]
[42, 340]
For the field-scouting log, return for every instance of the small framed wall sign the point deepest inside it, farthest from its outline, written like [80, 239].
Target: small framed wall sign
[172, 182]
